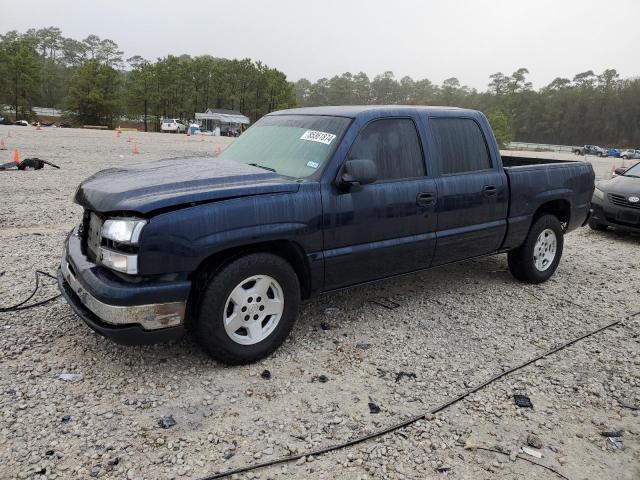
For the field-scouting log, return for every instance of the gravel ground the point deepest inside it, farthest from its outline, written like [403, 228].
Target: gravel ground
[456, 326]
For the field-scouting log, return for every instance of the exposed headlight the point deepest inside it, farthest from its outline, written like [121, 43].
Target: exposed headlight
[123, 230]
[119, 261]
[597, 193]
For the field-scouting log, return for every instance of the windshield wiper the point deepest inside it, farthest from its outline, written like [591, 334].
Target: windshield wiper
[263, 167]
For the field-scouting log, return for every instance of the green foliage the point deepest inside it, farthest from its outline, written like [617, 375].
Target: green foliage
[94, 94]
[599, 109]
[55, 71]
[501, 127]
[19, 73]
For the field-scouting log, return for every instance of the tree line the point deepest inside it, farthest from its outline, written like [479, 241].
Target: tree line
[590, 108]
[92, 82]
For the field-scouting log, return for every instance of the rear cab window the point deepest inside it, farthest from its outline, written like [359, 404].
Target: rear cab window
[462, 145]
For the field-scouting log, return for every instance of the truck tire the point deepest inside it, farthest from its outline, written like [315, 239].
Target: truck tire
[248, 308]
[536, 260]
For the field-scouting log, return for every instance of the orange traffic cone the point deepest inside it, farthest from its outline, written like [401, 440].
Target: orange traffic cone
[613, 169]
[16, 156]
[135, 149]
[218, 151]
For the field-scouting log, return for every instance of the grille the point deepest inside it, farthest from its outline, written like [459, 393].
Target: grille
[621, 201]
[93, 236]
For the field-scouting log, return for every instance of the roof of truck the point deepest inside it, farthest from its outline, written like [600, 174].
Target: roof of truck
[352, 111]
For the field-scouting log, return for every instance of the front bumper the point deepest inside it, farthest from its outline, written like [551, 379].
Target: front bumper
[620, 218]
[129, 313]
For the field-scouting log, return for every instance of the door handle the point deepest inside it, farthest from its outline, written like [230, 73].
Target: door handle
[425, 198]
[489, 190]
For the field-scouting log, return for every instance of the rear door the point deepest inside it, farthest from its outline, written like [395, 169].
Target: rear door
[387, 227]
[472, 189]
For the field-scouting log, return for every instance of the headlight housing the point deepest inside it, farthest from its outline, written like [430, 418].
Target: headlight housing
[119, 252]
[597, 193]
[123, 230]
[120, 262]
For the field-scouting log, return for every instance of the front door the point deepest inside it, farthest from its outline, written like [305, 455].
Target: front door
[387, 227]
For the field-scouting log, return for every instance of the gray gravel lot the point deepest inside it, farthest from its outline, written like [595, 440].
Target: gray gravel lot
[456, 326]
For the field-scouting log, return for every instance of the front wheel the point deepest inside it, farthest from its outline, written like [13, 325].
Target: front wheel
[248, 308]
[538, 257]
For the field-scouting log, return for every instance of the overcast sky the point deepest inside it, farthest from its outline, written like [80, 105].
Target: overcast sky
[434, 39]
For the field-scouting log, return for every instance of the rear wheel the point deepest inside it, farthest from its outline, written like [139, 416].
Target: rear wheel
[538, 257]
[248, 308]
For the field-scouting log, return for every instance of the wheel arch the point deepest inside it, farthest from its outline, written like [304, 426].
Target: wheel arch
[289, 250]
[560, 208]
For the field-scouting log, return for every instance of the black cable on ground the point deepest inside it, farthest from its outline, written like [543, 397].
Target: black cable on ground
[21, 306]
[412, 420]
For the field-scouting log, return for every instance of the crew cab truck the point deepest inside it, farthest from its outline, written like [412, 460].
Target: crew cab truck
[307, 201]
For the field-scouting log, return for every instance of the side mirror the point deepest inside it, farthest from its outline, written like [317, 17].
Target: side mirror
[620, 170]
[356, 173]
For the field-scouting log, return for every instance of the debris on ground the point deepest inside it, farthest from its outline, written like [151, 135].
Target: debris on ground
[534, 441]
[320, 378]
[70, 377]
[616, 434]
[332, 311]
[266, 374]
[325, 325]
[363, 345]
[616, 442]
[624, 403]
[66, 418]
[400, 375]
[167, 422]
[373, 407]
[522, 401]
[532, 451]
[386, 303]
[28, 164]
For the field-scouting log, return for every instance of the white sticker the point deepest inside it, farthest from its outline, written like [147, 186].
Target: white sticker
[312, 164]
[316, 136]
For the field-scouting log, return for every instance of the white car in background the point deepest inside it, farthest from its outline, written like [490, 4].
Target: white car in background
[630, 153]
[173, 125]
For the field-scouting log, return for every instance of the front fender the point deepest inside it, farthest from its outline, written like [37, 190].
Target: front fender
[179, 241]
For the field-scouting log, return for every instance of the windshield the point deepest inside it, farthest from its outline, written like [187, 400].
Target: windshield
[633, 171]
[291, 145]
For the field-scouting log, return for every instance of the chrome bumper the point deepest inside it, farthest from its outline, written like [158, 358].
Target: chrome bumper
[149, 317]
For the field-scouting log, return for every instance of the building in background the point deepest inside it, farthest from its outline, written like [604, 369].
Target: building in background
[230, 122]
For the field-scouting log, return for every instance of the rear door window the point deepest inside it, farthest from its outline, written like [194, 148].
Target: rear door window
[461, 144]
[393, 145]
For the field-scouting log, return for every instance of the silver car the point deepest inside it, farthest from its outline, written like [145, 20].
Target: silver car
[630, 153]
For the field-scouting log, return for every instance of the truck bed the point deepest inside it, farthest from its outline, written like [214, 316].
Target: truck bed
[534, 181]
[513, 161]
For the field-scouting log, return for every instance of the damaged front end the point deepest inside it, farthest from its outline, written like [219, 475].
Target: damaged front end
[134, 311]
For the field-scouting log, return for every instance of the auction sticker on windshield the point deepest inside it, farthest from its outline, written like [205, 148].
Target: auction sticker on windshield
[316, 136]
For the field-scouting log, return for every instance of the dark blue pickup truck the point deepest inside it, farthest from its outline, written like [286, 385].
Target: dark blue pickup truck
[307, 201]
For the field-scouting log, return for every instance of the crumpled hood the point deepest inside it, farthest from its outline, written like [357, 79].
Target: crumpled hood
[621, 185]
[154, 185]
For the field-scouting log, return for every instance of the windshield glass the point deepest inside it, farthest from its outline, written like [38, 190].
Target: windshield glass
[633, 171]
[291, 145]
